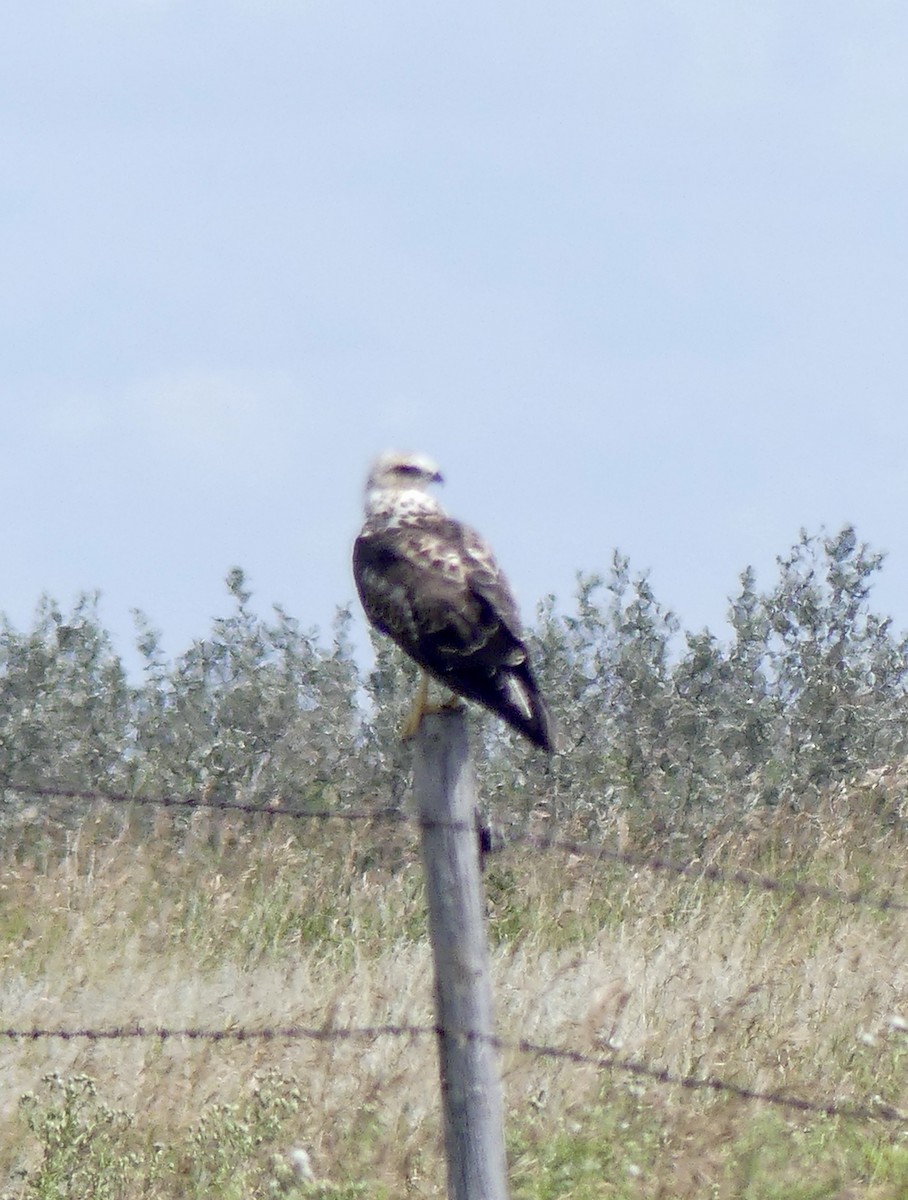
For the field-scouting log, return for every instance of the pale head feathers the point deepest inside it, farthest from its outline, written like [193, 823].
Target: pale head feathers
[398, 484]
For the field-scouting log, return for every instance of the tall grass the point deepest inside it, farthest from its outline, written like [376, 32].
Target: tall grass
[227, 922]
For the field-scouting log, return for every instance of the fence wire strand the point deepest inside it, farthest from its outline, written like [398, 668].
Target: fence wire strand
[388, 813]
[880, 1110]
[699, 870]
[692, 869]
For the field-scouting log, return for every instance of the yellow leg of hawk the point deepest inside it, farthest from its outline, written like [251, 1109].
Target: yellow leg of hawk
[422, 708]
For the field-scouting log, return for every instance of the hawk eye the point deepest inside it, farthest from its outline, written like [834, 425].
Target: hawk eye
[407, 469]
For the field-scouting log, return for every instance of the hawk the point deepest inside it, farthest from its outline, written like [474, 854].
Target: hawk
[432, 585]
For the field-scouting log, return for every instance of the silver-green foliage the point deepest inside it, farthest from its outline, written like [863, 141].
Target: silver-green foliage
[807, 687]
[237, 1151]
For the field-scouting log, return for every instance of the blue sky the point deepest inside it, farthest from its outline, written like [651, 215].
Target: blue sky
[635, 274]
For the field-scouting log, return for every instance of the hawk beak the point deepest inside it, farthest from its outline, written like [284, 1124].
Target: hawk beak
[438, 477]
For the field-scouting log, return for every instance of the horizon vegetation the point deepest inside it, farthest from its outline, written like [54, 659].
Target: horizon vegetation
[780, 750]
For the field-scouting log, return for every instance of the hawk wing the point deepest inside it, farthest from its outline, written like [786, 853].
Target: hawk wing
[435, 588]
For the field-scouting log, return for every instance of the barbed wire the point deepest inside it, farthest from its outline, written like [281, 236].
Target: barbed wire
[699, 870]
[693, 869]
[540, 843]
[387, 813]
[230, 1034]
[879, 1110]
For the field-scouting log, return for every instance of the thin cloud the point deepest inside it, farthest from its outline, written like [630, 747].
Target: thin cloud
[204, 414]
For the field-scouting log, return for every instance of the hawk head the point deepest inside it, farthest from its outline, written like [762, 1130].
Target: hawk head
[402, 469]
[398, 471]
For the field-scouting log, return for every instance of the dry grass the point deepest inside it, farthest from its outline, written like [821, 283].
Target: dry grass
[226, 923]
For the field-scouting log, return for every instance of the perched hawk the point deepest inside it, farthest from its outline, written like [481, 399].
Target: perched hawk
[432, 585]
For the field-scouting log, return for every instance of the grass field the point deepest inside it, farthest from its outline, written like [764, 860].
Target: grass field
[226, 922]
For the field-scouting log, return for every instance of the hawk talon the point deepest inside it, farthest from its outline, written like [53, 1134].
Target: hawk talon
[418, 709]
[422, 707]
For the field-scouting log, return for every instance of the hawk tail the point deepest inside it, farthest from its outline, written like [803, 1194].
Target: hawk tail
[521, 705]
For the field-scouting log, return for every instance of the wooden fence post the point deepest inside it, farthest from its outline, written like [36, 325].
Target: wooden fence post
[470, 1083]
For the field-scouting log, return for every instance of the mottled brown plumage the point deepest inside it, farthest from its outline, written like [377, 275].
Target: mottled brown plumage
[433, 586]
